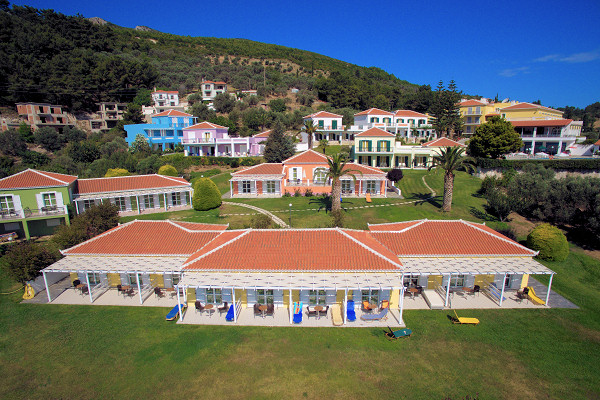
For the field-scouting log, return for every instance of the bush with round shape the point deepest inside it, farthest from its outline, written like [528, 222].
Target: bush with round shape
[206, 195]
[549, 241]
[168, 170]
[112, 172]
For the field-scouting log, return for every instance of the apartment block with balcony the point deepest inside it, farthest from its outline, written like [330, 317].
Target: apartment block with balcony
[109, 113]
[210, 89]
[208, 139]
[551, 136]
[165, 98]
[374, 147]
[407, 124]
[34, 203]
[165, 131]
[40, 115]
[329, 127]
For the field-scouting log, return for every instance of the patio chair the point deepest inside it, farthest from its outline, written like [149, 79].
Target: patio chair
[366, 306]
[384, 304]
[394, 335]
[350, 313]
[119, 289]
[297, 310]
[76, 282]
[257, 310]
[375, 317]
[311, 311]
[324, 311]
[464, 320]
[476, 289]
[271, 309]
[199, 306]
[130, 292]
[84, 290]
[223, 308]
[158, 292]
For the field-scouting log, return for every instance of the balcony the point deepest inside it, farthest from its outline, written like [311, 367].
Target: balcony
[12, 214]
[198, 141]
[307, 182]
[472, 112]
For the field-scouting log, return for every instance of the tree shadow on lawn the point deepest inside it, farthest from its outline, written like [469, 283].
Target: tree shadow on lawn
[324, 203]
[482, 215]
[422, 198]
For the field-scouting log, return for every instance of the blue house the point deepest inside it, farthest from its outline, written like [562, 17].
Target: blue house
[165, 131]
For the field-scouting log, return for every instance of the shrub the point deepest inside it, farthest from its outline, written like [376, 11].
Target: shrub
[25, 260]
[395, 175]
[206, 195]
[308, 193]
[549, 241]
[287, 194]
[168, 170]
[261, 221]
[568, 164]
[112, 172]
[297, 193]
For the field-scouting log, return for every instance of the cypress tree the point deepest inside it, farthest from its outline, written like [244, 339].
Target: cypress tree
[279, 146]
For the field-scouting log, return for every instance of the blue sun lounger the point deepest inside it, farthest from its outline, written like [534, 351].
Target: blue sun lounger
[229, 316]
[172, 315]
[375, 317]
[350, 313]
[297, 312]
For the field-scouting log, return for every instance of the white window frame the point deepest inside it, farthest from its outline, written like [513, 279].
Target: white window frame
[246, 187]
[347, 186]
[120, 203]
[265, 296]
[370, 295]
[133, 280]
[87, 204]
[371, 186]
[51, 197]
[320, 175]
[148, 201]
[457, 281]
[317, 297]
[214, 296]
[176, 198]
[94, 278]
[270, 187]
[7, 203]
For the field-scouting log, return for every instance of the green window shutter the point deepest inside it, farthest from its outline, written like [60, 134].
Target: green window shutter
[334, 124]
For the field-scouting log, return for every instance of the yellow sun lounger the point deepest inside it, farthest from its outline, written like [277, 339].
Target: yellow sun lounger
[463, 320]
[336, 315]
[534, 298]
[368, 197]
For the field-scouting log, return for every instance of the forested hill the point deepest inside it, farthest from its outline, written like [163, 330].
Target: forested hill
[50, 57]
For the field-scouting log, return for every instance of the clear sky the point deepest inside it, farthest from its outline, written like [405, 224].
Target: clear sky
[524, 50]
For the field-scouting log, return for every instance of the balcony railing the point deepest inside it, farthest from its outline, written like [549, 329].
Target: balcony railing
[307, 182]
[32, 212]
[198, 141]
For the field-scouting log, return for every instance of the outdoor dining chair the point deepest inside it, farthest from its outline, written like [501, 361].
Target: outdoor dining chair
[199, 306]
[271, 309]
[324, 311]
[223, 308]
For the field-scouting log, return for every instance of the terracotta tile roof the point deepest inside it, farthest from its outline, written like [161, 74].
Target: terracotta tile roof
[365, 169]
[542, 122]
[527, 106]
[597, 143]
[409, 113]
[197, 226]
[307, 157]
[146, 238]
[449, 238]
[220, 83]
[443, 142]
[172, 113]
[264, 134]
[375, 132]
[392, 226]
[295, 250]
[374, 111]
[262, 169]
[125, 183]
[167, 91]
[205, 125]
[472, 103]
[323, 114]
[31, 178]
[216, 242]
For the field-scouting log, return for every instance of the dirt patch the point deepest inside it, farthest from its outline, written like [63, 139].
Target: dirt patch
[592, 253]
[202, 168]
[520, 225]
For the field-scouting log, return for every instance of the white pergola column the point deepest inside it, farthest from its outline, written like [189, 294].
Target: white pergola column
[87, 279]
[549, 287]
[447, 291]
[291, 308]
[137, 278]
[234, 305]
[502, 291]
[139, 205]
[230, 189]
[345, 309]
[76, 206]
[179, 302]
[402, 290]
[165, 198]
[48, 289]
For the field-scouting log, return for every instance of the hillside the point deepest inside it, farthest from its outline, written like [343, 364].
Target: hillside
[70, 60]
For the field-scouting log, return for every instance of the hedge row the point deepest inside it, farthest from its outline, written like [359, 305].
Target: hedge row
[568, 164]
[181, 162]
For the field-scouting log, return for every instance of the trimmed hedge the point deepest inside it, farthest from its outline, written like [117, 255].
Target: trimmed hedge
[168, 170]
[549, 241]
[180, 162]
[206, 195]
[569, 164]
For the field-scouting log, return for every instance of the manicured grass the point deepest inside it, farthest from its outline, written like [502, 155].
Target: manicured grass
[53, 351]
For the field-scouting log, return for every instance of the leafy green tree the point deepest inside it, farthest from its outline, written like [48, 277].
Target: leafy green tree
[25, 260]
[149, 165]
[382, 102]
[71, 134]
[337, 169]
[168, 170]
[256, 118]
[224, 103]
[445, 110]
[49, 139]
[11, 143]
[133, 114]
[26, 132]
[113, 172]
[201, 111]
[494, 138]
[143, 97]
[498, 203]
[85, 152]
[140, 145]
[33, 159]
[278, 105]
[551, 243]
[450, 160]
[323, 143]
[278, 147]
[310, 128]
[206, 195]
[6, 165]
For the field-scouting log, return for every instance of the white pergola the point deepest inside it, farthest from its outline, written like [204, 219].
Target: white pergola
[114, 264]
[351, 280]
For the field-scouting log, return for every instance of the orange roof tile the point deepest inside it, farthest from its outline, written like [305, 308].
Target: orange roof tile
[155, 238]
[409, 113]
[220, 83]
[443, 142]
[375, 132]
[364, 169]
[205, 125]
[264, 134]
[31, 178]
[125, 183]
[323, 114]
[262, 169]
[392, 226]
[526, 106]
[307, 157]
[449, 238]
[197, 226]
[167, 91]
[597, 143]
[542, 122]
[296, 250]
[215, 243]
[472, 103]
[374, 111]
[172, 113]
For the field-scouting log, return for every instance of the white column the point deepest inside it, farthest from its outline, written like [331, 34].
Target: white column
[185, 295]
[234, 305]
[179, 302]
[502, 291]
[166, 205]
[230, 189]
[87, 278]
[345, 309]
[402, 290]
[47, 288]
[291, 308]
[549, 287]
[76, 206]
[139, 205]
[232, 148]
[248, 145]
[447, 290]
[137, 278]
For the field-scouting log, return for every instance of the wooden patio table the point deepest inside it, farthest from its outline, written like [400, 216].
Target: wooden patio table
[318, 309]
[263, 309]
[413, 291]
[209, 308]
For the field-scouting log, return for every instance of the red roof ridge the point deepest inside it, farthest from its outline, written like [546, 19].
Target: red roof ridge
[376, 130]
[218, 247]
[245, 169]
[373, 110]
[417, 223]
[212, 125]
[374, 169]
[303, 153]
[397, 263]
[432, 142]
[173, 178]
[131, 176]
[116, 228]
[174, 223]
[48, 176]
[497, 235]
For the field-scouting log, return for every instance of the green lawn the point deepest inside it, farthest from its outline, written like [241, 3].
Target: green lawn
[129, 352]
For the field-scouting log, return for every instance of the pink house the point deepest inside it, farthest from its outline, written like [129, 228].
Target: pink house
[208, 139]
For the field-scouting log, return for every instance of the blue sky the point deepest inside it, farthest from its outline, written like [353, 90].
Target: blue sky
[523, 50]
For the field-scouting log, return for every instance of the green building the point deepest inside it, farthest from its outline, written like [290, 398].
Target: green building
[34, 203]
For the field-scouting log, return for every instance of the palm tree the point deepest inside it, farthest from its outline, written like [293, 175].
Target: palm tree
[337, 169]
[450, 160]
[310, 130]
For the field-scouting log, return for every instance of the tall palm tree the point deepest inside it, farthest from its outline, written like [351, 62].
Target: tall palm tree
[450, 160]
[337, 169]
[310, 130]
